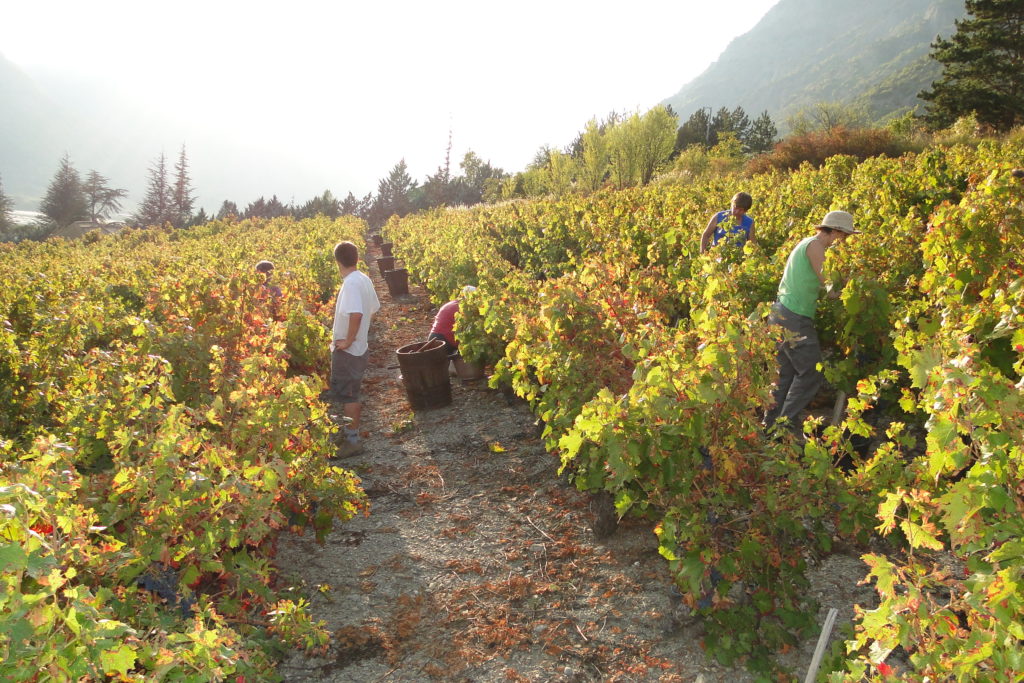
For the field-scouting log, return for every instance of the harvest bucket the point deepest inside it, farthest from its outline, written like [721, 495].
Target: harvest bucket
[398, 281]
[385, 263]
[467, 371]
[425, 374]
[385, 248]
[378, 239]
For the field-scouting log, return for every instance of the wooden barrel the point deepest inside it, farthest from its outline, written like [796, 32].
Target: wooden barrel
[398, 281]
[385, 263]
[425, 374]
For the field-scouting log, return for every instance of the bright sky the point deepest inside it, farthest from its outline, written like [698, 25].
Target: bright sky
[347, 89]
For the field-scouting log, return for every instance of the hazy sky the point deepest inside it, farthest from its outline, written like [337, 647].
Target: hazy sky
[344, 90]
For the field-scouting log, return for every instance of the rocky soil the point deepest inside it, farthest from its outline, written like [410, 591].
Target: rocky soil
[478, 562]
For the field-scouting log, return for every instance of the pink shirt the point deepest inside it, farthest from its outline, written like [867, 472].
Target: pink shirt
[444, 321]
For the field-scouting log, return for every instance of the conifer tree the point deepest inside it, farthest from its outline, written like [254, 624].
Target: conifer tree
[157, 205]
[350, 205]
[256, 209]
[393, 195]
[761, 135]
[100, 198]
[200, 218]
[735, 121]
[437, 189]
[983, 67]
[696, 131]
[64, 202]
[263, 208]
[182, 201]
[323, 205]
[227, 210]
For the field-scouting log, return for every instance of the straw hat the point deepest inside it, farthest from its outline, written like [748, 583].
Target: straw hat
[839, 220]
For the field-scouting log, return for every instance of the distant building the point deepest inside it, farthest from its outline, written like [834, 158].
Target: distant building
[80, 228]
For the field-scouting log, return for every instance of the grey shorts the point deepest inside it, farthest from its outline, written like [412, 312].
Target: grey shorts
[347, 375]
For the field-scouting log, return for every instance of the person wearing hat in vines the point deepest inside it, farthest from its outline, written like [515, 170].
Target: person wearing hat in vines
[799, 354]
[266, 268]
[733, 224]
[444, 323]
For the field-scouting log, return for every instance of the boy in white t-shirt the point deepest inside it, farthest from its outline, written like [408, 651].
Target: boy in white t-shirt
[357, 303]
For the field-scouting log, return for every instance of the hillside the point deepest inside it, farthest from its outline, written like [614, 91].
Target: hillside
[32, 125]
[801, 52]
[806, 51]
[47, 113]
[47, 116]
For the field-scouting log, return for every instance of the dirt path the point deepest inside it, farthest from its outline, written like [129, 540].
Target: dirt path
[478, 563]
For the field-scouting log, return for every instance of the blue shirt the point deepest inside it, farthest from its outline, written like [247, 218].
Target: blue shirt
[738, 233]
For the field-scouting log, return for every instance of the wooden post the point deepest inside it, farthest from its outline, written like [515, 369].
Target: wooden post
[819, 651]
[839, 409]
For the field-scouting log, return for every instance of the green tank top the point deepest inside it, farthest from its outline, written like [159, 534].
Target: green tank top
[798, 290]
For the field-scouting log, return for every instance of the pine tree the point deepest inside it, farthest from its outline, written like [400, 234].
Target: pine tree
[255, 209]
[276, 209]
[363, 207]
[438, 189]
[182, 201]
[200, 218]
[393, 195]
[696, 131]
[228, 210]
[324, 205]
[761, 135]
[263, 208]
[735, 121]
[350, 206]
[983, 67]
[100, 198]
[156, 207]
[65, 202]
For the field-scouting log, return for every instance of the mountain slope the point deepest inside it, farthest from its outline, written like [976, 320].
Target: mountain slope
[873, 52]
[32, 124]
[45, 114]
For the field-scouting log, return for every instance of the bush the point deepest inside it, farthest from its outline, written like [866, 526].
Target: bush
[817, 146]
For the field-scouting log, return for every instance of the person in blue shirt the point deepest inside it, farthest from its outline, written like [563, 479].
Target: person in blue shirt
[732, 225]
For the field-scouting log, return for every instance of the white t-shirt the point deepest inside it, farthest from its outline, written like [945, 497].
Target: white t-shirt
[355, 296]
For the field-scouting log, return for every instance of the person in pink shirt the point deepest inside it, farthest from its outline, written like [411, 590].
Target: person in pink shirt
[444, 323]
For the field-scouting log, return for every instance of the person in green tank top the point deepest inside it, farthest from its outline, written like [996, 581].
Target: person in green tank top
[799, 354]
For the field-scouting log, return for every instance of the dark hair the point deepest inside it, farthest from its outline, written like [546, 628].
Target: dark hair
[742, 200]
[264, 267]
[346, 254]
[828, 231]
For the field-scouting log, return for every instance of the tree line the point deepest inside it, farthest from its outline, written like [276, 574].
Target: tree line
[70, 197]
[982, 80]
[981, 85]
[619, 151]
[325, 204]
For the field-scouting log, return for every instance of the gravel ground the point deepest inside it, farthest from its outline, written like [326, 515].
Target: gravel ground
[478, 563]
